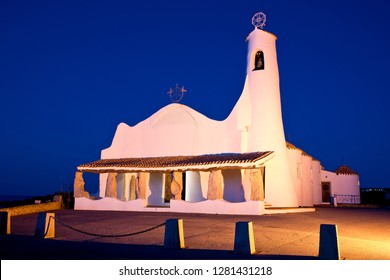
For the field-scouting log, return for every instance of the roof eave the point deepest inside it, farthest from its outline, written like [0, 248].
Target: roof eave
[200, 167]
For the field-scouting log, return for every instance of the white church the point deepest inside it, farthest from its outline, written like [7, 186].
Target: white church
[178, 160]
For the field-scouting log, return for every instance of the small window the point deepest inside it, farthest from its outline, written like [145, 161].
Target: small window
[259, 61]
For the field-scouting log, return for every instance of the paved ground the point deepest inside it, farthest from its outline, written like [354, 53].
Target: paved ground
[364, 234]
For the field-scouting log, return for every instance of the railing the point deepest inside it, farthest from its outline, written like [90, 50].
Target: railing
[347, 198]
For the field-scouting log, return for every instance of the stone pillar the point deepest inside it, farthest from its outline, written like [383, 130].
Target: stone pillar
[244, 241]
[78, 186]
[133, 187]
[5, 222]
[167, 186]
[45, 227]
[141, 188]
[329, 244]
[111, 190]
[257, 186]
[177, 185]
[215, 191]
[174, 234]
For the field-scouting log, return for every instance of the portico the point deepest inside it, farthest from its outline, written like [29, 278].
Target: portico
[204, 183]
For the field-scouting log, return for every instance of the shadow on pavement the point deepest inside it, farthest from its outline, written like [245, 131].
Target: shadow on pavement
[20, 247]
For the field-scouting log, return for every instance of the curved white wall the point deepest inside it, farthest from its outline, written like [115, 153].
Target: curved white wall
[174, 130]
[347, 185]
[342, 184]
[266, 132]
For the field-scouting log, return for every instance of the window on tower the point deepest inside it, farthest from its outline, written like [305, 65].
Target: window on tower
[259, 61]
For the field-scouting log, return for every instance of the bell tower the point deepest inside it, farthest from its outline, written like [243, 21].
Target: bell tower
[266, 132]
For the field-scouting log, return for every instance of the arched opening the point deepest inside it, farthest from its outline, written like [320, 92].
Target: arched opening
[193, 192]
[157, 191]
[259, 61]
[121, 186]
[233, 189]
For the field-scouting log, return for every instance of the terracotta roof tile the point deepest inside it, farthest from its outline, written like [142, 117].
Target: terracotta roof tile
[167, 162]
[292, 147]
[343, 169]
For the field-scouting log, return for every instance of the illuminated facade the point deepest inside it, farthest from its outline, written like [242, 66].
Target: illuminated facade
[179, 160]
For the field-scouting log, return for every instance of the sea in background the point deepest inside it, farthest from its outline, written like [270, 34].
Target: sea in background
[14, 200]
[14, 197]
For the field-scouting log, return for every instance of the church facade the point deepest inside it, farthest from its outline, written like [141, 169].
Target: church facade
[179, 160]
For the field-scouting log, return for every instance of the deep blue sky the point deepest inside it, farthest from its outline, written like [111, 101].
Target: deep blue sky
[71, 71]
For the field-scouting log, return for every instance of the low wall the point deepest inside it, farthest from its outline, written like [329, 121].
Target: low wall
[176, 206]
[34, 208]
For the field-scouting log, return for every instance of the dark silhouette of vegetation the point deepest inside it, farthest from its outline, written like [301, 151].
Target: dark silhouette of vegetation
[380, 197]
[67, 200]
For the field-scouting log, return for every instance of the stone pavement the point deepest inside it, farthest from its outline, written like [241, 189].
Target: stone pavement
[364, 234]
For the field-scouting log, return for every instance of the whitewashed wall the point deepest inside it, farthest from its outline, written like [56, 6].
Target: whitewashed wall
[307, 187]
[316, 183]
[342, 184]
[295, 161]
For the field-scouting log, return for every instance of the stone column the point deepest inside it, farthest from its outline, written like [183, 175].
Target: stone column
[177, 185]
[78, 186]
[111, 185]
[141, 188]
[167, 186]
[133, 187]
[215, 191]
[257, 186]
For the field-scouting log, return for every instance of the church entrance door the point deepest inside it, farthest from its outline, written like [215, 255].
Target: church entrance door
[325, 186]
